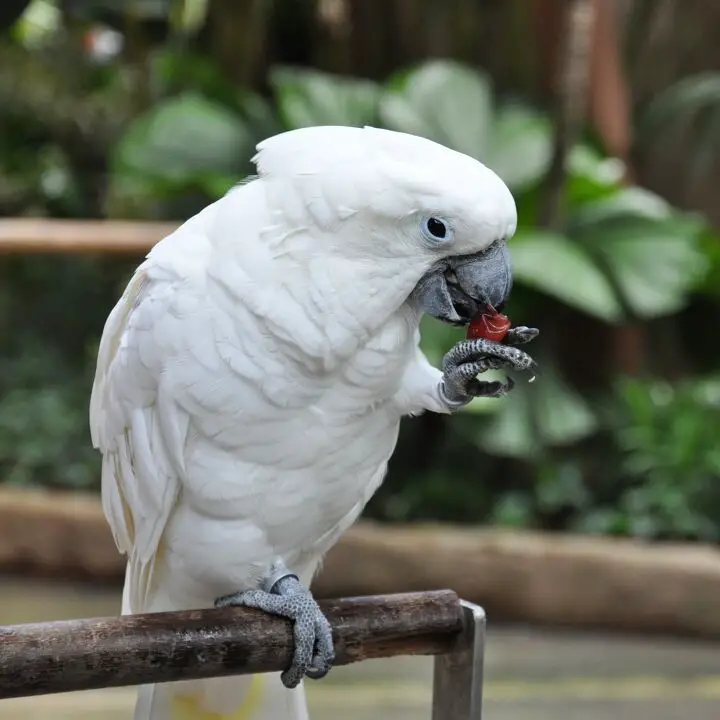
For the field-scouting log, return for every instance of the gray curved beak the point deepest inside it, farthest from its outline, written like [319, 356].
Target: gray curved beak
[455, 289]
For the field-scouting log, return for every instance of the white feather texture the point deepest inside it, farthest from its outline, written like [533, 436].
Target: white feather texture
[251, 380]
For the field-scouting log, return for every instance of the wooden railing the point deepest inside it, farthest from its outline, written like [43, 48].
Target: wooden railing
[71, 655]
[25, 235]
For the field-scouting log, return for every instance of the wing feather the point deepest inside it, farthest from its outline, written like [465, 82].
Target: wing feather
[139, 430]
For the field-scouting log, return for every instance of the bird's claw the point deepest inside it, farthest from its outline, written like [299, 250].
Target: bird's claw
[470, 358]
[314, 653]
[520, 335]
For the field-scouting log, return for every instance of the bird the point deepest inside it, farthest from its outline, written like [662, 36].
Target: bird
[251, 380]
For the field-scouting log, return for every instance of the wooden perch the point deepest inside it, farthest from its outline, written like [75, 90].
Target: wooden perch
[54, 657]
[30, 235]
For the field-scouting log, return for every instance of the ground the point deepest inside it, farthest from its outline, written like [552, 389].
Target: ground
[531, 674]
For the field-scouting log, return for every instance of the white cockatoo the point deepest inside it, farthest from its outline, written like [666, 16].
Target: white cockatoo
[251, 380]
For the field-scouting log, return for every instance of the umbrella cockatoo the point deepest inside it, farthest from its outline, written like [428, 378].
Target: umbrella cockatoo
[251, 380]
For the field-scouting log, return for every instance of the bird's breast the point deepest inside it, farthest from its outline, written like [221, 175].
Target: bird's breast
[298, 472]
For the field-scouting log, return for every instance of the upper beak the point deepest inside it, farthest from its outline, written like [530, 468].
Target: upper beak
[457, 288]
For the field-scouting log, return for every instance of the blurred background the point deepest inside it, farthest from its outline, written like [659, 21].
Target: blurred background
[602, 116]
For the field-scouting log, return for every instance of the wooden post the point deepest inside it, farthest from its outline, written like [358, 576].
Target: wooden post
[458, 676]
[54, 657]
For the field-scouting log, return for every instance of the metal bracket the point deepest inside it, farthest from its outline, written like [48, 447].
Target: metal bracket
[458, 675]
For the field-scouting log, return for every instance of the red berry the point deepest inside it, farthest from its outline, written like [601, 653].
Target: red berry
[489, 325]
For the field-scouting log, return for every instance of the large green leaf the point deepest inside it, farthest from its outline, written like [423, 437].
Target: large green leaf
[591, 176]
[543, 413]
[510, 433]
[679, 102]
[710, 245]
[183, 139]
[627, 202]
[655, 267]
[692, 103]
[521, 146]
[563, 417]
[309, 98]
[554, 265]
[260, 115]
[442, 101]
[652, 253]
[704, 150]
[452, 104]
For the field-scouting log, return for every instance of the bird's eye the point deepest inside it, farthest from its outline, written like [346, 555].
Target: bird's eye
[437, 231]
[436, 228]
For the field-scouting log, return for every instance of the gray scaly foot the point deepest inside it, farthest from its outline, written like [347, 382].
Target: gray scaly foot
[282, 594]
[470, 358]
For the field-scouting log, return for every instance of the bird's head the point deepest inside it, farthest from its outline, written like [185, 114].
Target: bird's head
[398, 207]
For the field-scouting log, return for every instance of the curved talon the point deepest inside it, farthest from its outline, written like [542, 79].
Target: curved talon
[520, 335]
[313, 655]
[324, 655]
[493, 388]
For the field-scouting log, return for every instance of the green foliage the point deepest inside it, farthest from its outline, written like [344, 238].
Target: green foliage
[626, 457]
[650, 252]
[441, 101]
[670, 460]
[43, 439]
[308, 98]
[690, 106]
[545, 414]
[453, 105]
[554, 265]
[51, 313]
[625, 252]
[184, 144]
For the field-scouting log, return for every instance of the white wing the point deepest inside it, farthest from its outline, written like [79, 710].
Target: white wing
[140, 433]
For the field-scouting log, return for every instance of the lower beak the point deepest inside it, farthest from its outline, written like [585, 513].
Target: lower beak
[456, 289]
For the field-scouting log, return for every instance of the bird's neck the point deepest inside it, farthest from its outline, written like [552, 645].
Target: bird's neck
[348, 305]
